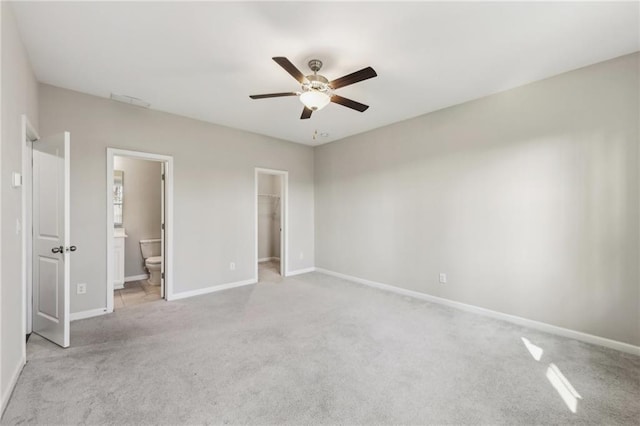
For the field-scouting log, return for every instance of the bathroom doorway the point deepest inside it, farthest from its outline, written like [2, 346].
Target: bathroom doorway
[271, 221]
[138, 228]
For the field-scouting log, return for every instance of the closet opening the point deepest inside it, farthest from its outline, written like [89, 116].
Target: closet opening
[271, 189]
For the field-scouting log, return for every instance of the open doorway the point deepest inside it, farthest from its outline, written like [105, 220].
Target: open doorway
[138, 225]
[29, 136]
[271, 190]
[45, 227]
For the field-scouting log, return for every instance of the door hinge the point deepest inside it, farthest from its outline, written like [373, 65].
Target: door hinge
[163, 176]
[162, 226]
[163, 275]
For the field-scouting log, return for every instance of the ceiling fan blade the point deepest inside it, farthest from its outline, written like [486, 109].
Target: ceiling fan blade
[354, 77]
[349, 103]
[306, 113]
[290, 68]
[273, 95]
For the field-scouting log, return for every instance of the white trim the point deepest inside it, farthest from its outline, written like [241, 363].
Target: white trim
[560, 331]
[110, 231]
[136, 278]
[12, 384]
[88, 314]
[67, 239]
[211, 289]
[29, 135]
[168, 172]
[301, 271]
[267, 259]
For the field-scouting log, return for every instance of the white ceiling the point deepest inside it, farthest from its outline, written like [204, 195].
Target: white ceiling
[203, 60]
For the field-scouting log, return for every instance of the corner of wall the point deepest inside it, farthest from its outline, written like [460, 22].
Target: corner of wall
[18, 95]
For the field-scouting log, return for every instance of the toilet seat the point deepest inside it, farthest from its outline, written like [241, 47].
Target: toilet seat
[154, 260]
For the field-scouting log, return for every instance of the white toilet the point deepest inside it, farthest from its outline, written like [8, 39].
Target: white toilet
[152, 259]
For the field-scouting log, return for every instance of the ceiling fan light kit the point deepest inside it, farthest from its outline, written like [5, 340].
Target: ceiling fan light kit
[317, 91]
[314, 99]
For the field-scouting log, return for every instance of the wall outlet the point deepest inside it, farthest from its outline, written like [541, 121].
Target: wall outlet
[443, 278]
[81, 288]
[232, 266]
[301, 255]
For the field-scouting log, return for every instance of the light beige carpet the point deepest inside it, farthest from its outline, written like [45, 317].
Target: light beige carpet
[314, 349]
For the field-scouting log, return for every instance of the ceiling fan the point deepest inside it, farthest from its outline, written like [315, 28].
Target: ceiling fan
[317, 91]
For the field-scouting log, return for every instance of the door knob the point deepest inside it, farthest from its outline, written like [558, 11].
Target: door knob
[57, 249]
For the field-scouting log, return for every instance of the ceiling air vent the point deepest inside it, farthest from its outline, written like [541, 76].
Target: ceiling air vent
[130, 100]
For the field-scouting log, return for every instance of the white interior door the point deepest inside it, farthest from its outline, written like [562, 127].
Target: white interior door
[162, 230]
[51, 249]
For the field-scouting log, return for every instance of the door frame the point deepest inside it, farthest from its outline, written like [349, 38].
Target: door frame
[284, 217]
[168, 209]
[28, 137]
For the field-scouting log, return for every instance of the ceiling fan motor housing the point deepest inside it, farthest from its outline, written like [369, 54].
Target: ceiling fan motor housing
[318, 83]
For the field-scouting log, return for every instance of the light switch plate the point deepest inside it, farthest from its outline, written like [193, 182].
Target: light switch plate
[16, 180]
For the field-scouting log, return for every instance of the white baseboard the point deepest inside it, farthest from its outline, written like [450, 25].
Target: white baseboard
[212, 289]
[87, 314]
[560, 331]
[118, 286]
[300, 271]
[267, 259]
[136, 278]
[12, 384]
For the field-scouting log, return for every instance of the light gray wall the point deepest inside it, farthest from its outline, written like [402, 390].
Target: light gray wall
[214, 222]
[142, 208]
[19, 96]
[527, 199]
[268, 216]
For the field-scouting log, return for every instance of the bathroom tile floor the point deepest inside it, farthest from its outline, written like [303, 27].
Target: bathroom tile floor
[135, 293]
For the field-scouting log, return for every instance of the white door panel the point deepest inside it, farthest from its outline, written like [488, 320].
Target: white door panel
[51, 245]
[48, 290]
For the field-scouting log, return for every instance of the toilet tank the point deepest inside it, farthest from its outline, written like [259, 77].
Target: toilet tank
[150, 248]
